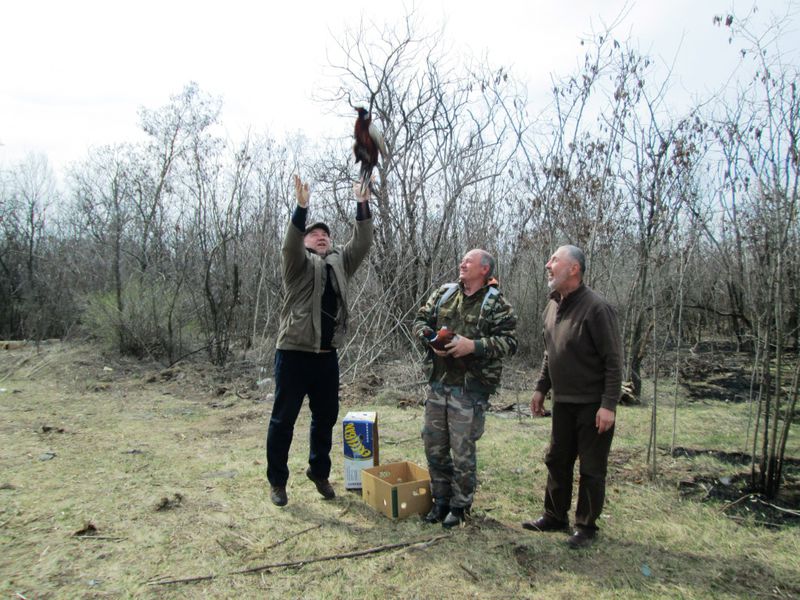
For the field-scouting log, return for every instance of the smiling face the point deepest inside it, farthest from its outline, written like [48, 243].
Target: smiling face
[317, 240]
[563, 272]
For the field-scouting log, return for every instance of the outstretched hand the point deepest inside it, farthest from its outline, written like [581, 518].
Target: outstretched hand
[357, 192]
[301, 191]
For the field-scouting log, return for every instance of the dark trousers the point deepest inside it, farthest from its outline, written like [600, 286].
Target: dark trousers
[574, 435]
[298, 374]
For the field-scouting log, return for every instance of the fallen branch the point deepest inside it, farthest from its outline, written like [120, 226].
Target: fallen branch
[784, 510]
[788, 511]
[735, 502]
[242, 537]
[300, 563]
[288, 537]
[470, 573]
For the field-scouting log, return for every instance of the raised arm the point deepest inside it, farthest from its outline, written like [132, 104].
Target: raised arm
[294, 251]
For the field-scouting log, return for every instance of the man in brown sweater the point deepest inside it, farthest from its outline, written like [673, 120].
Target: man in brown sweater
[582, 368]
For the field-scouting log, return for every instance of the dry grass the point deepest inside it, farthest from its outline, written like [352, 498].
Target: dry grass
[168, 468]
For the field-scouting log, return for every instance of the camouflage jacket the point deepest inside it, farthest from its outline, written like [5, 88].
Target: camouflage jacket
[485, 317]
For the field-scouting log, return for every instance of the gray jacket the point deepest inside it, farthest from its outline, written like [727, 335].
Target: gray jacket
[303, 284]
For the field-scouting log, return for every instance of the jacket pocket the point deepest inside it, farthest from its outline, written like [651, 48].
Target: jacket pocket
[299, 329]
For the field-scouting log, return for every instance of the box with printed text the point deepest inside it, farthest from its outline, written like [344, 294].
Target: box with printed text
[360, 443]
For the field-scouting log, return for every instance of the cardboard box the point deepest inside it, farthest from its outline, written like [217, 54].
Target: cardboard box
[398, 490]
[360, 442]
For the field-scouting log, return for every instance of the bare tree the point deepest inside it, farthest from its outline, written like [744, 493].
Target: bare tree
[29, 192]
[102, 189]
[759, 134]
[444, 134]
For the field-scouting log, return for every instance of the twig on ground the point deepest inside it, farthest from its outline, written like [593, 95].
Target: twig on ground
[302, 562]
[245, 538]
[788, 511]
[470, 573]
[735, 502]
[707, 490]
[38, 367]
[424, 545]
[224, 547]
[288, 537]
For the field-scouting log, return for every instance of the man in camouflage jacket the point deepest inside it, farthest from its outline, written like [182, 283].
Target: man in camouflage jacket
[464, 372]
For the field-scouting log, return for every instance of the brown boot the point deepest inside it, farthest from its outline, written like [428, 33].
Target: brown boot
[324, 486]
[582, 538]
[545, 523]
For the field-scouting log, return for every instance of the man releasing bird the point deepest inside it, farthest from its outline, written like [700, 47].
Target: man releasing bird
[369, 142]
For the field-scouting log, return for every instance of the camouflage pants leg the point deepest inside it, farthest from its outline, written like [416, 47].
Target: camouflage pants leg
[454, 421]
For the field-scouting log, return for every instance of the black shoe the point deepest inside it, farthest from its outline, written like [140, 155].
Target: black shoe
[324, 486]
[278, 495]
[437, 513]
[454, 518]
[545, 523]
[581, 538]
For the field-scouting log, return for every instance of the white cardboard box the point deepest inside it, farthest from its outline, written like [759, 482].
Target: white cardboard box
[360, 444]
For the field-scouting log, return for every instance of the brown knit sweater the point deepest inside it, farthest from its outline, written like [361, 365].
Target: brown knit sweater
[583, 350]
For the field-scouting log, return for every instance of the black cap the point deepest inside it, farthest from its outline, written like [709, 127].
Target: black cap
[318, 225]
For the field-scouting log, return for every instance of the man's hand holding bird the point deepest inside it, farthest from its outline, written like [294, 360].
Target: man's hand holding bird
[362, 194]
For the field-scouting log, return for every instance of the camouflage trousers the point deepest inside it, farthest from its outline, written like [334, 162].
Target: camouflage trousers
[454, 421]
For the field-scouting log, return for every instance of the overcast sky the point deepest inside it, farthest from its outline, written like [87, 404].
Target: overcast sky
[75, 72]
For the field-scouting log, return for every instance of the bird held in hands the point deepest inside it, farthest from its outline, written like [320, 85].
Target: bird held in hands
[442, 337]
[368, 144]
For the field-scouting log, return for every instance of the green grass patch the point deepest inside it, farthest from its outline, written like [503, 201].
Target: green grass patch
[172, 480]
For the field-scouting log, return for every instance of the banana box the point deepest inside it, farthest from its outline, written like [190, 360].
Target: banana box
[398, 490]
[360, 443]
